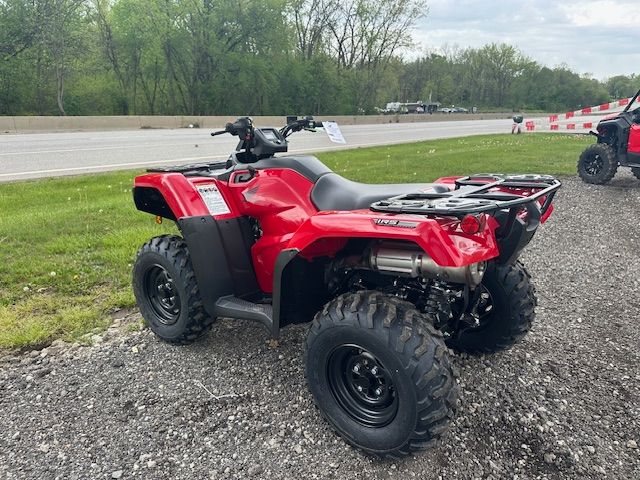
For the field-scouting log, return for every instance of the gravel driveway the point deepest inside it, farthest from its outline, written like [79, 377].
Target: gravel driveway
[564, 403]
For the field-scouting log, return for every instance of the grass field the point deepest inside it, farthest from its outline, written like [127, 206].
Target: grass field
[67, 244]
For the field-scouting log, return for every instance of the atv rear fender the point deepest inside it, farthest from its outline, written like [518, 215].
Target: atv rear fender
[438, 238]
[519, 221]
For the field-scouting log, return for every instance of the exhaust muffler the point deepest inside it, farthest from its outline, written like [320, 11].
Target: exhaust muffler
[413, 262]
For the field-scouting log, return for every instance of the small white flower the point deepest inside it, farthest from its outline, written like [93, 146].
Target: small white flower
[25, 289]
[53, 274]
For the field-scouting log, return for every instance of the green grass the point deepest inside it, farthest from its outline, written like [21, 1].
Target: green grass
[425, 161]
[67, 244]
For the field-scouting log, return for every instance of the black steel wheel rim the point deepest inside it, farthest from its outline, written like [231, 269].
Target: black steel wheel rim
[476, 317]
[594, 164]
[483, 307]
[362, 386]
[162, 294]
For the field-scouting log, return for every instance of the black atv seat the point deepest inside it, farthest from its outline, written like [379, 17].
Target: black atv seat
[333, 192]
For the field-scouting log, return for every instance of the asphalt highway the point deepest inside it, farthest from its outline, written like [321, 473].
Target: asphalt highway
[39, 155]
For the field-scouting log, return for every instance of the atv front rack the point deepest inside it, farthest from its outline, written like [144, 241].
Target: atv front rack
[473, 194]
[190, 168]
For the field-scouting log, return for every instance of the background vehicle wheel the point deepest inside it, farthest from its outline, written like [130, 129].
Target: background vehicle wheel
[505, 312]
[380, 373]
[636, 172]
[597, 164]
[167, 292]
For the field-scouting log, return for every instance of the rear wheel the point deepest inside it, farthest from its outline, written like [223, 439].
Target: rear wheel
[597, 164]
[504, 313]
[166, 290]
[380, 373]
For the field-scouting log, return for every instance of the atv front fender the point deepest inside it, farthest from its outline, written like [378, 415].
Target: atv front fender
[172, 190]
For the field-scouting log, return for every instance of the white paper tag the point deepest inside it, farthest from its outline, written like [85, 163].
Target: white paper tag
[333, 131]
[213, 199]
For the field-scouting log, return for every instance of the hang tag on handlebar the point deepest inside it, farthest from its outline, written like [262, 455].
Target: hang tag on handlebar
[334, 132]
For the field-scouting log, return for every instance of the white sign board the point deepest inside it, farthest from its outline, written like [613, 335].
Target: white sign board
[213, 199]
[333, 131]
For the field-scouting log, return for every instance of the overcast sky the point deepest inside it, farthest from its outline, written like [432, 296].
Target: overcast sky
[598, 37]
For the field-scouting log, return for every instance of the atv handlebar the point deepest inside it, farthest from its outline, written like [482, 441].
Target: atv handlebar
[295, 124]
[242, 127]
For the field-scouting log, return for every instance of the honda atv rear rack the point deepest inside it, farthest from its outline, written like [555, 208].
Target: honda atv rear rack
[473, 194]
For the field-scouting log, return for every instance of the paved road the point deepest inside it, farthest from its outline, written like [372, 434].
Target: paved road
[38, 155]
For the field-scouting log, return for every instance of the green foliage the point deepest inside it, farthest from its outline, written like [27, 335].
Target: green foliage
[499, 76]
[233, 57]
[621, 86]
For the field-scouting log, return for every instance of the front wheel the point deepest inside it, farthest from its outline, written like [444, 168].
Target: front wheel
[166, 290]
[505, 311]
[597, 164]
[380, 374]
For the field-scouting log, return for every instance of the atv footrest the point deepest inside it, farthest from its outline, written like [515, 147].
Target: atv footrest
[233, 307]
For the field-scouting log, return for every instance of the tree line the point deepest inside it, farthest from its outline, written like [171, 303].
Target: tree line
[259, 57]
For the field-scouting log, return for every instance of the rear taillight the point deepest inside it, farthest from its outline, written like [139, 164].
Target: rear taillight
[472, 224]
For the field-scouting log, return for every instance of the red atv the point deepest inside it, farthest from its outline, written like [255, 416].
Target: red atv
[389, 276]
[618, 144]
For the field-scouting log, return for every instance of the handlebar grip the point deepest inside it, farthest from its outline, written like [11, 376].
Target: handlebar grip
[220, 132]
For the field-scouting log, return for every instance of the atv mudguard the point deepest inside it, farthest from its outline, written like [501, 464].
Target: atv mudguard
[217, 246]
[447, 248]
